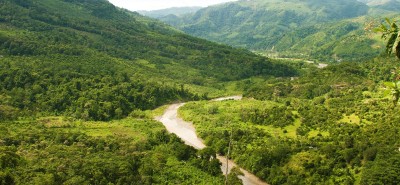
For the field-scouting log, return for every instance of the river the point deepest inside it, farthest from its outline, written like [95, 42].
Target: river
[187, 132]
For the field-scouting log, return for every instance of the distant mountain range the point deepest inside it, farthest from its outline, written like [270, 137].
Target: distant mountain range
[391, 5]
[314, 29]
[377, 2]
[177, 11]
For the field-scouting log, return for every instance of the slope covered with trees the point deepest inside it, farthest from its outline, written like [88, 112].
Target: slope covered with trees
[335, 125]
[65, 64]
[86, 60]
[90, 60]
[56, 150]
[328, 30]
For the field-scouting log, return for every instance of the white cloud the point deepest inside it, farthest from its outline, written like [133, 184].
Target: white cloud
[161, 4]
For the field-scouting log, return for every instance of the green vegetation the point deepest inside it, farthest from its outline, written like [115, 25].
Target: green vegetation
[391, 33]
[64, 63]
[37, 85]
[90, 60]
[329, 126]
[68, 65]
[328, 30]
[54, 150]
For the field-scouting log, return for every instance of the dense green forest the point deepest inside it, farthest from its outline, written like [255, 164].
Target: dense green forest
[55, 150]
[65, 64]
[329, 30]
[335, 125]
[80, 79]
[90, 60]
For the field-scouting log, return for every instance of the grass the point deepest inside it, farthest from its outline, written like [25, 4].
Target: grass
[146, 64]
[135, 129]
[209, 117]
[213, 116]
[291, 129]
[158, 111]
[216, 90]
[288, 131]
[315, 133]
[354, 119]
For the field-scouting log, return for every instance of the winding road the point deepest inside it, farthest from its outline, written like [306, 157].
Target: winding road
[187, 132]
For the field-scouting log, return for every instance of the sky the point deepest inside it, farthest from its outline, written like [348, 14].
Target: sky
[134, 5]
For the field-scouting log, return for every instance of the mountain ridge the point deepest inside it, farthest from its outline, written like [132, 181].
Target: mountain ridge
[177, 11]
[264, 26]
[113, 50]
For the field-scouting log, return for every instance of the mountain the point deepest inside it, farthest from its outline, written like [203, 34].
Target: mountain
[376, 2]
[390, 5]
[78, 79]
[178, 11]
[334, 41]
[283, 26]
[89, 60]
[329, 126]
[67, 66]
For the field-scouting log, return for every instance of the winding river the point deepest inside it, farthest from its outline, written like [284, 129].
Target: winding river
[187, 132]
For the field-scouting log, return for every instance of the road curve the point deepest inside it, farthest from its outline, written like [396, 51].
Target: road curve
[187, 132]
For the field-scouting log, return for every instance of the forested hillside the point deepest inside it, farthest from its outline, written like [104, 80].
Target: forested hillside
[90, 60]
[66, 65]
[336, 125]
[81, 82]
[328, 30]
[56, 150]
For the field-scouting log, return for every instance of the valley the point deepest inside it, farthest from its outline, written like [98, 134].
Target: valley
[327, 31]
[187, 133]
[91, 93]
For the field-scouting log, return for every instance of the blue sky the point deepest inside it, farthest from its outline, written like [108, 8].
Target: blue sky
[161, 4]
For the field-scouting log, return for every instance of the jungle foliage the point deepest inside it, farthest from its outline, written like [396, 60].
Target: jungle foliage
[328, 30]
[335, 125]
[56, 150]
[93, 61]
[87, 60]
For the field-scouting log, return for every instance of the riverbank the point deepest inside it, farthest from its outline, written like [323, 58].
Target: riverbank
[187, 132]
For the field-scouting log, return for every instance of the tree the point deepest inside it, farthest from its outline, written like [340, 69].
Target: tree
[233, 178]
[392, 34]
[383, 171]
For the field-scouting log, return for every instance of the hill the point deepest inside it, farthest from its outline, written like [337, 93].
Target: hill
[315, 30]
[391, 5]
[90, 60]
[344, 40]
[335, 125]
[178, 11]
[67, 65]
[377, 2]
[56, 150]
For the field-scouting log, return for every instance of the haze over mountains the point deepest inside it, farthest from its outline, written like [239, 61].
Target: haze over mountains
[178, 11]
[377, 2]
[290, 28]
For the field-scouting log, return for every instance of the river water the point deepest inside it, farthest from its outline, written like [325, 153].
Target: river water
[187, 132]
